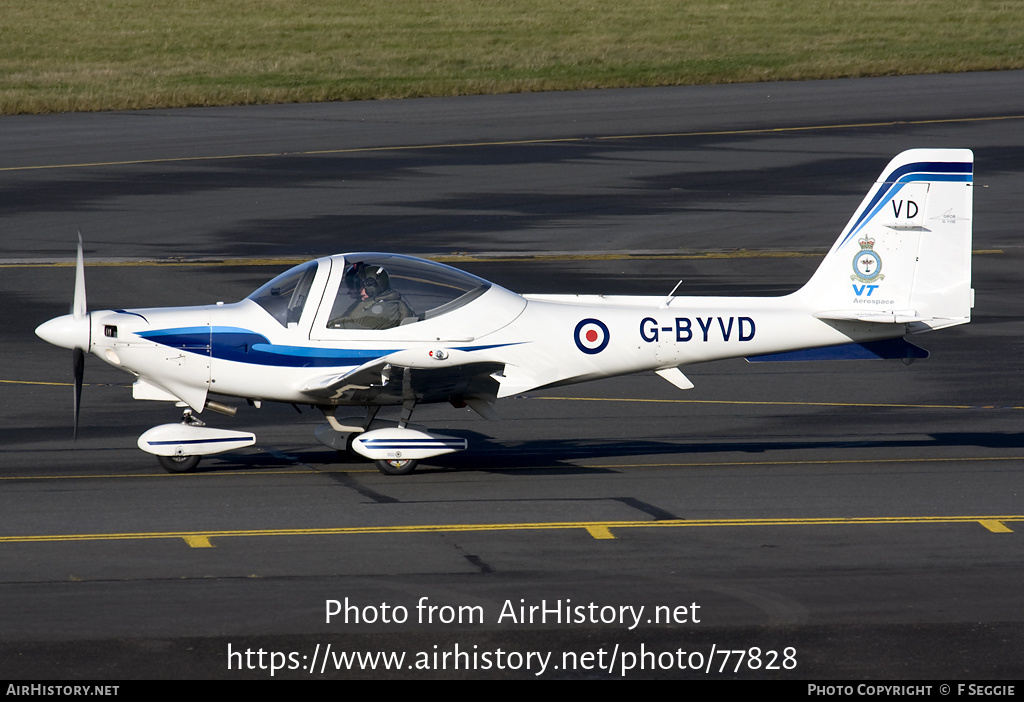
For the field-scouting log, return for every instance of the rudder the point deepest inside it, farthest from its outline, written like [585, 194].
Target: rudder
[905, 255]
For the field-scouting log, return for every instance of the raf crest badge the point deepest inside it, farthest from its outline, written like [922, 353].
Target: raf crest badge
[867, 264]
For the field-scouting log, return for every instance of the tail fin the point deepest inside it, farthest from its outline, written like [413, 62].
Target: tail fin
[905, 256]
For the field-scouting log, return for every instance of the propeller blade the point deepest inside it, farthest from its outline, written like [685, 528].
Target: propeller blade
[79, 308]
[78, 364]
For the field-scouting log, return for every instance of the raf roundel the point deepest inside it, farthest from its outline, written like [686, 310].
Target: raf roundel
[591, 336]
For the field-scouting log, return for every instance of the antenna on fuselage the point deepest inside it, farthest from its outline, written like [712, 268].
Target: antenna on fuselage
[671, 296]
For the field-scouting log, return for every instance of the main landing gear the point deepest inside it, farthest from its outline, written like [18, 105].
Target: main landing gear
[396, 448]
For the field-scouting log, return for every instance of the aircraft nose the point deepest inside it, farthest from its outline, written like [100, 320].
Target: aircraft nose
[68, 332]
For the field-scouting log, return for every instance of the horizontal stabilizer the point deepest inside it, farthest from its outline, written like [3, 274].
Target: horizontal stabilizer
[868, 351]
[895, 317]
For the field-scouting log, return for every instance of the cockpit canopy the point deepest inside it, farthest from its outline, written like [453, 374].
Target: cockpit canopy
[284, 297]
[425, 289]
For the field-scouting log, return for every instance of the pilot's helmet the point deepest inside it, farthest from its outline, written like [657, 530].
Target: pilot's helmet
[374, 279]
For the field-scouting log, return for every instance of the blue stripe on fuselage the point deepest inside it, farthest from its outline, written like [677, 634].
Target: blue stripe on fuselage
[244, 346]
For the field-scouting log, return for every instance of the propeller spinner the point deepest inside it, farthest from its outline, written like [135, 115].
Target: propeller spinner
[73, 331]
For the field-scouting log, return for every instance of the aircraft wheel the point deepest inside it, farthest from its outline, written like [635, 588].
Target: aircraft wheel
[348, 454]
[178, 464]
[397, 466]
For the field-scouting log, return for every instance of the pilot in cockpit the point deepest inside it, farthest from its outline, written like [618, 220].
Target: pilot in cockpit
[377, 305]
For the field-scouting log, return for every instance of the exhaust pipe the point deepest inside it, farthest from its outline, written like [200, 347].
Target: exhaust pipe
[221, 408]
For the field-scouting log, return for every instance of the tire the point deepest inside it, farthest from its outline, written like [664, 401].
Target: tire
[347, 454]
[396, 466]
[178, 464]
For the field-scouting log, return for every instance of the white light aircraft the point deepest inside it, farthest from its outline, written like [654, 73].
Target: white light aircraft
[373, 329]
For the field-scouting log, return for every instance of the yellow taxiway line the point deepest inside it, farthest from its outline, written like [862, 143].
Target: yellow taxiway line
[456, 258]
[610, 466]
[598, 529]
[522, 142]
[763, 403]
[782, 403]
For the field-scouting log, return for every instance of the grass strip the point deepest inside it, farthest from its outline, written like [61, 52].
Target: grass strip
[83, 55]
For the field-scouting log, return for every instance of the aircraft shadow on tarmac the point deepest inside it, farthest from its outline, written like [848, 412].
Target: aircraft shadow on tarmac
[558, 456]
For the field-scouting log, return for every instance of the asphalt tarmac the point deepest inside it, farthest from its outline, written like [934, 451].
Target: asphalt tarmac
[856, 520]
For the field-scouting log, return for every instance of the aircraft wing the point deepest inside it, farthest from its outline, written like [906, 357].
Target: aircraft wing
[394, 379]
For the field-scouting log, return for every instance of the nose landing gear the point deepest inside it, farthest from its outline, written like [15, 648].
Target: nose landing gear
[179, 447]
